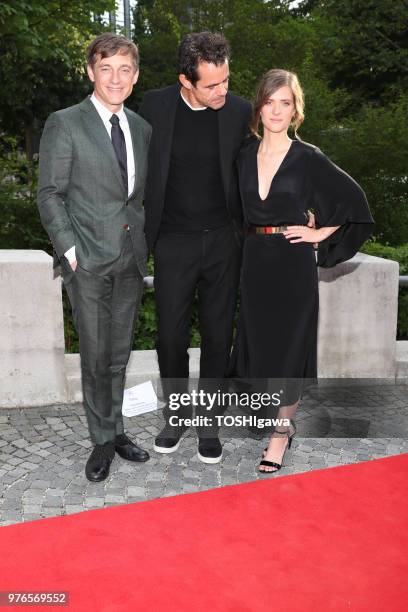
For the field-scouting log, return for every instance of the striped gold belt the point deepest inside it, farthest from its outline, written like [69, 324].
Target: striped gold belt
[267, 229]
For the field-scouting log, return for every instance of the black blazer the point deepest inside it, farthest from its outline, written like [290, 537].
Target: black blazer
[159, 109]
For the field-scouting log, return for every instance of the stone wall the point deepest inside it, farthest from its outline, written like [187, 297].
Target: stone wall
[32, 360]
[357, 329]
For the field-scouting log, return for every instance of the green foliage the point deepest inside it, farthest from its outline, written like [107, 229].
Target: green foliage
[279, 38]
[388, 198]
[363, 47]
[70, 333]
[42, 59]
[157, 34]
[145, 337]
[373, 139]
[399, 254]
[49, 30]
[20, 226]
[402, 332]
[323, 106]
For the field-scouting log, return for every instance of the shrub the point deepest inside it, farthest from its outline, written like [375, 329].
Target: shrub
[20, 226]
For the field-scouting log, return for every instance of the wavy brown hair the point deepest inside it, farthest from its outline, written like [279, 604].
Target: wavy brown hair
[270, 82]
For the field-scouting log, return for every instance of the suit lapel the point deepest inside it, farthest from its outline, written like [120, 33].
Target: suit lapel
[97, 132]
[166, 129]
[139, 145]
[226, 143]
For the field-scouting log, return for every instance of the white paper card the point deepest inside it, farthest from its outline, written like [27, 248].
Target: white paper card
[139, 399]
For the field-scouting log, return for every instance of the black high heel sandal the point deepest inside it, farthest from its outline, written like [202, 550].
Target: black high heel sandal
[273, 464]
[293, 424]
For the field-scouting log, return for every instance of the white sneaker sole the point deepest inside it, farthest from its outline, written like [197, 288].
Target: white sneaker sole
[209, 459]
[165, 450]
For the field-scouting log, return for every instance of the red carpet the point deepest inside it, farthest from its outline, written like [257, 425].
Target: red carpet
[328, 540]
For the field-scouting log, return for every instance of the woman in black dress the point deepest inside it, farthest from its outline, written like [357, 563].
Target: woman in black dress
[280, 181]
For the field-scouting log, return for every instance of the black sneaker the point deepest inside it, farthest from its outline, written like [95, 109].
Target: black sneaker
[168, 439]
[209, 450]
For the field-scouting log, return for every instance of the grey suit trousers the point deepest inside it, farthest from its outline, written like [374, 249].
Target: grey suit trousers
[105, 308]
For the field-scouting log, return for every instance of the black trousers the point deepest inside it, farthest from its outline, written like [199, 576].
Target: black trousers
[104, 308]
[206, 263]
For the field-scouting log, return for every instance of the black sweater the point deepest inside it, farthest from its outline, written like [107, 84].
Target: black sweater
[195, 198]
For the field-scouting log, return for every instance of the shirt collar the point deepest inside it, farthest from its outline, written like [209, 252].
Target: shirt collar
[192, 107]
[105, 113]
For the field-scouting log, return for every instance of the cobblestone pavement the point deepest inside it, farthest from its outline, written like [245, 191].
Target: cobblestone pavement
[43, 453]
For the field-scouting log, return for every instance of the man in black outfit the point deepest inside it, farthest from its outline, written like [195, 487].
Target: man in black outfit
[193, 218]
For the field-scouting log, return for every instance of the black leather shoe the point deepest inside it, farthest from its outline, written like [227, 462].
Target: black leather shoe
[168, 439]
[209, 450]
[98, 464]
[129, 450]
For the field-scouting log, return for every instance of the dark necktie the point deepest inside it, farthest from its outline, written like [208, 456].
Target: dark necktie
[119, 144]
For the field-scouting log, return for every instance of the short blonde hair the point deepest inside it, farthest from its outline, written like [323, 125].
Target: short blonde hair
[270, 82]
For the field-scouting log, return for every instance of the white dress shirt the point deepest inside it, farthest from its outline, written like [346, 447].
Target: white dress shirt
[105, 114]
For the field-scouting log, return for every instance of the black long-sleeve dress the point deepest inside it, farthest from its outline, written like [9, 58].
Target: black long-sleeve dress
[277, 331]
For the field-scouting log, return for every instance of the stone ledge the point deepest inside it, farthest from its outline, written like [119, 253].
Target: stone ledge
[19, 256]
[143, 366]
